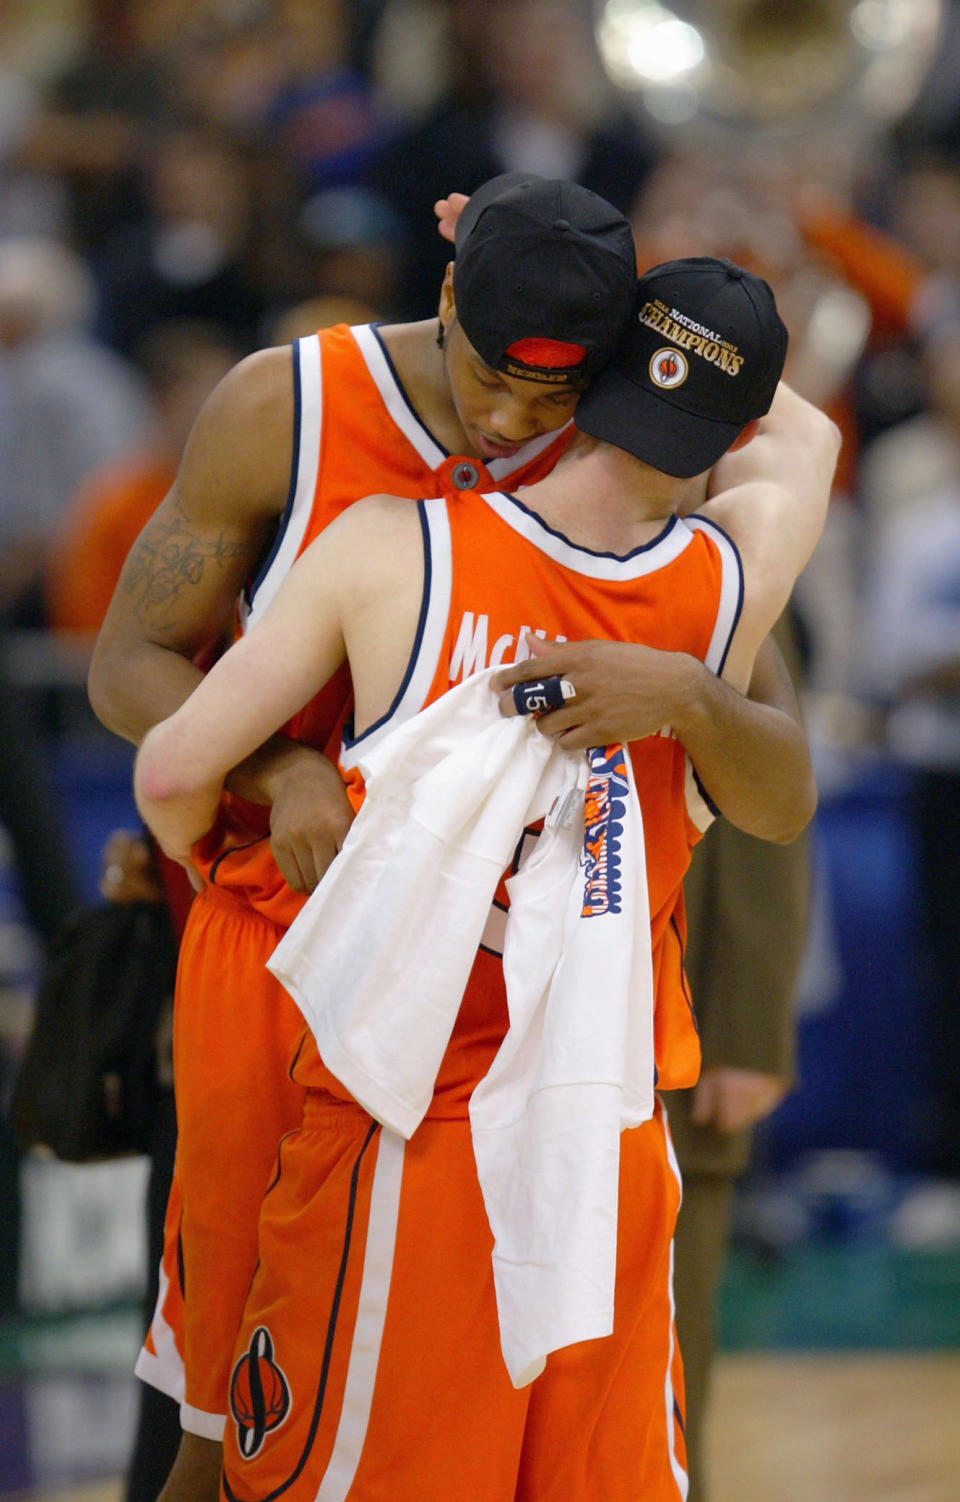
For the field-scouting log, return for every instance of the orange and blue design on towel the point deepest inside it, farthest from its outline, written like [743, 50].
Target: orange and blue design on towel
[603, 815]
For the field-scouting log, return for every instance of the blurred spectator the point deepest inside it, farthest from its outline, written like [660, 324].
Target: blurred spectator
[133, 870]
[324, 115]
[32, 202]
[30, 812]
[182, 362]
[39, 38]
[914, 452]
[191, 256]
[732, 200]
[66, 403]
[86, 130]
[537, 102]
[912, 662]
[314, 313]
[354, 243]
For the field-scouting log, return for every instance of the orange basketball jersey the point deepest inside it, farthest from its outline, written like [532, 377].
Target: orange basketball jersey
[493, 571]
[235, 1029]
[355, 434]
[375, 1273]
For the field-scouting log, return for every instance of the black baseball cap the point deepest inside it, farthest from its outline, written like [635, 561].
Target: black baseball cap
[701, 358]
[544, 277]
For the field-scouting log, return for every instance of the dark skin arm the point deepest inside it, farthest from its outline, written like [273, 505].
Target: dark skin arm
[178, 591]
[751, 753]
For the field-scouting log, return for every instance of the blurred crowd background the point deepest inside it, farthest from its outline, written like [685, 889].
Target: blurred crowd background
[183, 181]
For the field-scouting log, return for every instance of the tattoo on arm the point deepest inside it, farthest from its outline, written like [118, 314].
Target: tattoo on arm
[167, 560]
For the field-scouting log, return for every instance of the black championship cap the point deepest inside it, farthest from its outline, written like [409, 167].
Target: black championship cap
[702, 357]
[544, 277]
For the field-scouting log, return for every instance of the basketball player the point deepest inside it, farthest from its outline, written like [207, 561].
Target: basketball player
[282, 446]
[368, 1364]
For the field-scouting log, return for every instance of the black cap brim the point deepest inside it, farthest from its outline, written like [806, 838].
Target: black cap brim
[651, 428]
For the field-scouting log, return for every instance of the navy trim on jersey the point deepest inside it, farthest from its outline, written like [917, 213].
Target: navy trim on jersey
[708, 521]
[331, 1330]
[232, 850]
[402, 390]
[684, 983]
[350, 741]
[263, 569]
[703, 792]
[498, 469]
[736, 619]
[578, 547]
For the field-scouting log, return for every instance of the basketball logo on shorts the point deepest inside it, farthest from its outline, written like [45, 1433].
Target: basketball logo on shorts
[668, 367]
[259, 1393]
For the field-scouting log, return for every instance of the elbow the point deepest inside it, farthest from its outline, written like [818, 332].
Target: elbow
[161, 775]
[796, 816]
[101, 703]
[153, 783]
[781, 819]
[101, 692]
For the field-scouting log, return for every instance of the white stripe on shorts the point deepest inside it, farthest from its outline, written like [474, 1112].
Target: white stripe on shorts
[371, 1315]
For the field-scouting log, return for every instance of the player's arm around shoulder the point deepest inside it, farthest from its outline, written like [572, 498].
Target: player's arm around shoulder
[750, 749]
[179, 584]
[343, 589]
[771, 497]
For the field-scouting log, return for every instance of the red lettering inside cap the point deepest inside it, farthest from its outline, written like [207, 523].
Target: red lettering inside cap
[550, 354]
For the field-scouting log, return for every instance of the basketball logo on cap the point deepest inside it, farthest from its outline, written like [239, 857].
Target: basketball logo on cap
[259, 1393]
[668, 367]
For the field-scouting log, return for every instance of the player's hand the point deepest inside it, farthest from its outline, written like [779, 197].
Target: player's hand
[731, 1099]
[622, 690]
[448, 212]
[309, 818]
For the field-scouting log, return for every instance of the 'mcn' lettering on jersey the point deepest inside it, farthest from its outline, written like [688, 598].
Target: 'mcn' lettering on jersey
[604, 809]
[472, 651]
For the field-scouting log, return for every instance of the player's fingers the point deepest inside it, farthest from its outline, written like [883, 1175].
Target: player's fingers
[447, 211]
[506, 704]
[553, 663]
[314, 854]
[322, 853]
[288, 864]
[576, 737]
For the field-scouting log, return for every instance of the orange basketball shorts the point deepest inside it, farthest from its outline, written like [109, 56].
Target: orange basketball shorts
[368, 1366]
[235, 1031]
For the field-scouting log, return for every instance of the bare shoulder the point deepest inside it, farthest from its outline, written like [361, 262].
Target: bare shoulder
[374, 540]
[241, 445]
[182, 576]
[387, 516]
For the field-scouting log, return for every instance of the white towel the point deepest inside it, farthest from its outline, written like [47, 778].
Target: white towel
[575, 1068]
[380, 955]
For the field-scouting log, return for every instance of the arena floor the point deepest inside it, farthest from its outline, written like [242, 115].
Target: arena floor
[800, 1428]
